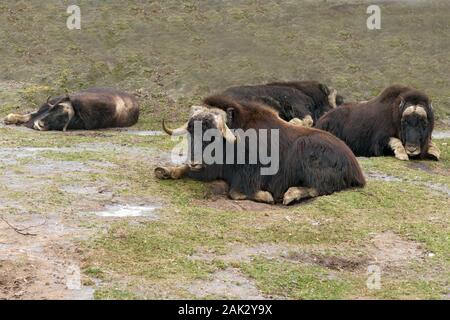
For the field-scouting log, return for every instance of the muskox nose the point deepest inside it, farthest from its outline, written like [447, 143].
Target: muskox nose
[195, 166]
[412, 149]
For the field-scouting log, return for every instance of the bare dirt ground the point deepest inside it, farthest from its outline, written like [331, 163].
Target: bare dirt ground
[98, 225]
[40, 235]
[39, 249]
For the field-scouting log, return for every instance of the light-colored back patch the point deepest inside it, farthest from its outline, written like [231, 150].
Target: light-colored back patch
[121, 106]
[332, 98]
[418, 109]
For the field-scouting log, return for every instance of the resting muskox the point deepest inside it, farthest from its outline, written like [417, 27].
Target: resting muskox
[311, 162]
[399, 121]
[88, 109]
[301, 102]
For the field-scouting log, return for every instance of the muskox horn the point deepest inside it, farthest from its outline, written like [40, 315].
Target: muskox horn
[227, 134]
[48, 102]
[175, 132]
[65, 98]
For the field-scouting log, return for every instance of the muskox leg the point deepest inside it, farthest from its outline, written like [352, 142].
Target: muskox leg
[260, 196]
[263, 196]
[298, 193]
[14, 118]
[433, 151]
[236, 195]
[306, 122]
[173, 173]
[398, 148]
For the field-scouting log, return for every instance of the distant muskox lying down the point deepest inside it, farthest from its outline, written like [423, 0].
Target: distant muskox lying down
[299, 102]
[88, 109]
[311, 162]
[399, 121]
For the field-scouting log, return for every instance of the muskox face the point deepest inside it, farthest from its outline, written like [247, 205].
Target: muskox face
[204, 126]
[416, 126]
[56, 116]
[330, 98]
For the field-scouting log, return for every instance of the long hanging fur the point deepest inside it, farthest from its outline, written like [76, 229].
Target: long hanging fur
[367, 127]
[308, 157]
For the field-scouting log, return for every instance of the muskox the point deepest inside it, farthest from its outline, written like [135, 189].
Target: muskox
[311, 162]
[398, 122]
[89, 109]
[299, 102]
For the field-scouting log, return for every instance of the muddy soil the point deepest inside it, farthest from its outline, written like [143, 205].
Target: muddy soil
[39, 242]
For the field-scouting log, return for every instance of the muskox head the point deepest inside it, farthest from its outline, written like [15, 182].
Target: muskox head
[55, 114]
[203, 127]
[416, 122]
[330, 95]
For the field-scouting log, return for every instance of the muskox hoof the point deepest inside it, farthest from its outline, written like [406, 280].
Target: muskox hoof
[162, 173]
[295, 194]
[236, 195]
[308, 121]
[402, 156]
[433, 152]
[434, 156]
[264, 196]
[296, 122]
[10, 119]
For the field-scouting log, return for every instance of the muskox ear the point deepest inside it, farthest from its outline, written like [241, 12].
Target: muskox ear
[231, 112]
[402, 103]
[324, 89]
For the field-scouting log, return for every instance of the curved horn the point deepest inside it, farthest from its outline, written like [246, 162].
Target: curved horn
[175, 132]
[48, 102]
[66, 97]
[226, 133]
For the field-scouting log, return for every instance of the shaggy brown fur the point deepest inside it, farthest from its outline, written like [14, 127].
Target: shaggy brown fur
[88, 109]
[309, 158]
[372, 128]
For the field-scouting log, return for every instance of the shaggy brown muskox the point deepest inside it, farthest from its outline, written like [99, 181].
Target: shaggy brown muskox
[311, 162]
[301, 102]
[399, 121]
[88, 109]
[322, 95]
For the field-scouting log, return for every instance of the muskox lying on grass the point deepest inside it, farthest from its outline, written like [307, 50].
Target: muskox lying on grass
[311, 162]
[299, 102]
[86, 110]
[399, 121]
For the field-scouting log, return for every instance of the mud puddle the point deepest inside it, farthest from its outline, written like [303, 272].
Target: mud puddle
[441, 135]
[441, 188]
[125, 211]
[143, 133]
[375, 175]
[42, 262]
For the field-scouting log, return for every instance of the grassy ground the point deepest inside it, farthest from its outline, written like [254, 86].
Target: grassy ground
[170, 54]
